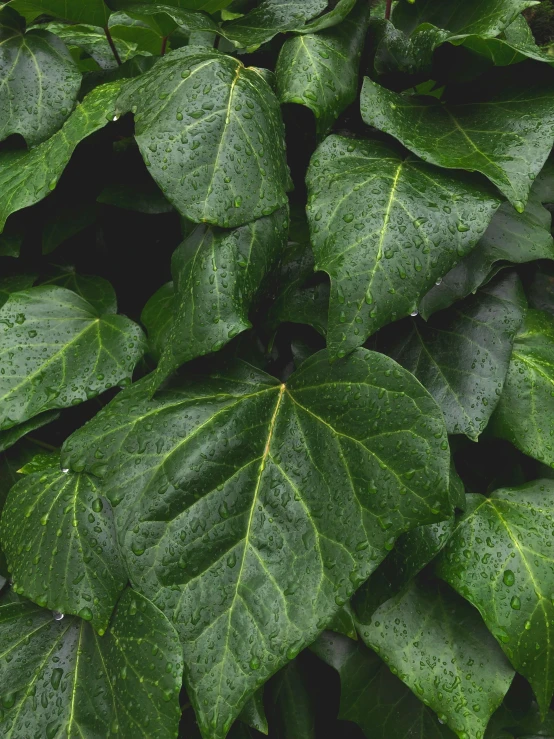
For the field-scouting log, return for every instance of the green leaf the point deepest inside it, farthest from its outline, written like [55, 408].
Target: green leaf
[335, 15]
[208, 6]
[57, 351]
[210, 131]
[269, 18]
[65, 222]
[216, 275]
[343, 622]
[60, 678]
[506, 136]
[292, 705]
[95, 290]
[39, 81]
[373, 697]
[62, 553]
[157, 316]
[442, 650]
[94, 42]
[509, 575]
[383, 244]
[234, 492]
[511, 238]
[320, 70]
[165, 19]
[253, 713]
[94, 12]
[13, 284]
[525, 412]
[26, 177]
[11, 436]
[138, 197]
[44, 461]
[461, 355]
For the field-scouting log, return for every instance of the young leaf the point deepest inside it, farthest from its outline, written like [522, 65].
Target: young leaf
[372, 697]
[306, 488]
[26, 177]
[59, 677]
[216, 275]
[525, 411]
[499, 558]
[35, 98]
[62, 553]
[94, 12]
[157, 316]
[320, 70]
[210, 131]
[506, 136]
[380, 241]
[461, 355]
[511, 237]
[57, 351]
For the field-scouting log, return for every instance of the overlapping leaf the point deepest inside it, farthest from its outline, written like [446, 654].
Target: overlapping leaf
[94, 42]
[320, 70]
[210, 131]
[461, 355]
[60, 679]
[239, 500]
[507, 135]
[157, 317]
[94, 12]
[57, 351]
[499, 558]
[385, 228]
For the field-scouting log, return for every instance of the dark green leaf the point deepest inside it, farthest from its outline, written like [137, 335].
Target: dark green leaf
[506, 136]
[216, 275]
[525, 412]
[39, 81]
[373, 697]
[320, 70]
[8, 438]
[297, 487]
[57, 351]
[499, 558]
[208, 6]
[95, 290]
[10, 243]
[343, 622]
[461, 355]
[210, 131]
[253, 713]
[292, 706]
[94, 12]
[29, 176]
[61, 679]
[385, 229]
[157, 316]
[140, 198]
[511, 237]
[13, 284]
[337, 14]
[442, 650]
[64, 223]
[165, 18]
[44, 461]
[62, 553]
[94, 42]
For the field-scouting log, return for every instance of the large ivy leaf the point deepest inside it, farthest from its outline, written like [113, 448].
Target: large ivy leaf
[506, 136]
[237, 504]
[461, 355]
[26, 177]
[94, 12]
[210, 131]
[57, 351]
[499, 558]
[216, 275]
[442, 650]
[320, 70]
[60, 679]
[39, 81]
[62, 552]
[511, 237]
[525, 411]
[380, 241]
[371, 696]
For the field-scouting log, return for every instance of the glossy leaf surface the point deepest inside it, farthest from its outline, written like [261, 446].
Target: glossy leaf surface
[94, 12]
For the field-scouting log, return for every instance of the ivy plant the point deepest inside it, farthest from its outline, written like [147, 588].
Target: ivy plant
[276, 369]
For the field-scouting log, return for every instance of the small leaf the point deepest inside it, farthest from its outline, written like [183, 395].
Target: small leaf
[525, 411]
[58, 352]
[157, 316]
[500, 560]
[253, 713]
[506, 136]
[442, 650]
[380, 241]
[35, 98]
[210, 131]
[60, 674]
[461, 355]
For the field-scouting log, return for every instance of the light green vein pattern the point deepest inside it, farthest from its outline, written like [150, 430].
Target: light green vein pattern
[499, 558]
[59, 540]
[250, 510]
[59, 679]
[56, 351]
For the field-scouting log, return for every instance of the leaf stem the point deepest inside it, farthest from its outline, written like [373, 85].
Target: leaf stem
[164, 45]
[112, 45]
[43, 444]
[388, 9]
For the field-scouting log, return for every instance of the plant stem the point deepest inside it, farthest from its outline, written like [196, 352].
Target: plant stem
[388, 9]
[164, 45]
[43, 444]
[112, 45]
